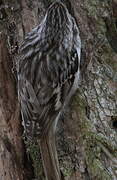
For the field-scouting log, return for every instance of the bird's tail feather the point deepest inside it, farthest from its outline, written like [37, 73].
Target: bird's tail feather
[49, 156]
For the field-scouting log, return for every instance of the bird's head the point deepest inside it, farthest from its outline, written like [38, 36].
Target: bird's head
[57, 15]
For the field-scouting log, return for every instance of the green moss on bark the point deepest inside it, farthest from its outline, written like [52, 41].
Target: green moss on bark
[94, 143]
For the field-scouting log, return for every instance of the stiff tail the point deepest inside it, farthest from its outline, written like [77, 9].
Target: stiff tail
[49, 156]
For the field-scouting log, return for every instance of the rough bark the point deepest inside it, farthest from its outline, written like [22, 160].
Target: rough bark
[86, 135]
[10, 142]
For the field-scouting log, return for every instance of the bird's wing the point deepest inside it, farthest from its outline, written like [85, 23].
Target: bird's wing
[42, 77]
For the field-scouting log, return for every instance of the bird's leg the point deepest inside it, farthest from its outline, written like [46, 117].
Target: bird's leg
[49, 156]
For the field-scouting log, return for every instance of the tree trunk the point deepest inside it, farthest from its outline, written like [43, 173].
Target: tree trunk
[86, 136]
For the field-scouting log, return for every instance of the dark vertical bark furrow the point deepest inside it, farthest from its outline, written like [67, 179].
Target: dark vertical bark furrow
[11, 148]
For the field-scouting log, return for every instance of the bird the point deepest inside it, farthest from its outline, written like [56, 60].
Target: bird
[48, 72]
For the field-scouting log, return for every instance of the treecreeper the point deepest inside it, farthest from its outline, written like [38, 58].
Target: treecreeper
[48, 71]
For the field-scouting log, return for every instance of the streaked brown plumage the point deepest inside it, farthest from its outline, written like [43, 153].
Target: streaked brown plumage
[48, 74]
